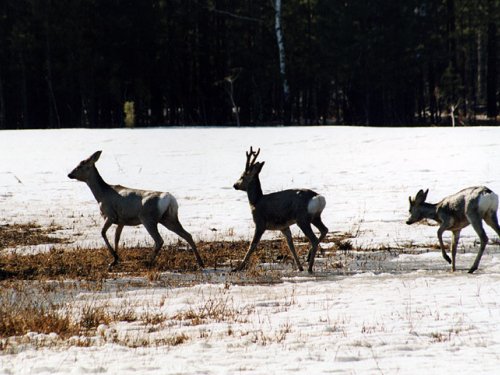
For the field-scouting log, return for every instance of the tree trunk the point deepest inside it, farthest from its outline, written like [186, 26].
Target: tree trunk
[433, 105]
[53, 112]
[230, 91]
[451, 29]
[480, 68]
[24, 92]
[281, 50]
[491, 77]
[3, 124]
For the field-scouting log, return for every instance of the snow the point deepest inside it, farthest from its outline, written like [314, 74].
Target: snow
[387, 313]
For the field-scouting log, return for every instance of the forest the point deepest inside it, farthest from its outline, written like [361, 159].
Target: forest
[115, 63]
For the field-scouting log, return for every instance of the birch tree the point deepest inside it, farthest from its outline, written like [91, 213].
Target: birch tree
[282, 60]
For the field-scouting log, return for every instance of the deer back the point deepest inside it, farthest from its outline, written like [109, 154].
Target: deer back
[284, 208]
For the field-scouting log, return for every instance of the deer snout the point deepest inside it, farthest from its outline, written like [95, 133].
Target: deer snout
[73, 175]
[238, 185]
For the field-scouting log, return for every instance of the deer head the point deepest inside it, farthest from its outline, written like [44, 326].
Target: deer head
[84, 168]
[252, 170]
[416, 213]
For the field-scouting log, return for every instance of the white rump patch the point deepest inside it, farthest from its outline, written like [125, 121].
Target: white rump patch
[163, 202]
[488, 203]
[316, 205]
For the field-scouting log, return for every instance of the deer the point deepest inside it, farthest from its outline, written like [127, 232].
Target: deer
[280, 210]
[123, 206]
[472, 206]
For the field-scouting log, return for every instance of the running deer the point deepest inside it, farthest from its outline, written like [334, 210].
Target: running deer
[453, 213]
[130, 207]
[279, 210]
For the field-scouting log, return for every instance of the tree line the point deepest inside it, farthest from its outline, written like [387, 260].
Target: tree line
[90, 63]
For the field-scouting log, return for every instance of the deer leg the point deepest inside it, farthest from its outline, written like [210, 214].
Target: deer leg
[306, 228]
[288, 235]
[440, 232]
[253, 245]
[322, 228]
[152, 228]
[492, 221]
[176, 227]
[455, 236]
[114, 254]
[476, 223]
[118, 233]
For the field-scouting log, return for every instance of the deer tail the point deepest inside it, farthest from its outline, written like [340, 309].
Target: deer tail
[488, 202]
[316, 205]
[167, 205]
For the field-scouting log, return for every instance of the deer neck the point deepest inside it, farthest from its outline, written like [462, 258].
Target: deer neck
[429, 211]
[254, 191]
[98, 186]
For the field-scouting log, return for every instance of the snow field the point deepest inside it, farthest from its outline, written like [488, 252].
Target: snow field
[392, 314]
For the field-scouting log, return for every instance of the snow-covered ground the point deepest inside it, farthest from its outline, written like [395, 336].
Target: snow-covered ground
[407, 315]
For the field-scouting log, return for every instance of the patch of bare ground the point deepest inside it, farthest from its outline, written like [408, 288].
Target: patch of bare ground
[92, 264]
[38, 292]
[29, 234]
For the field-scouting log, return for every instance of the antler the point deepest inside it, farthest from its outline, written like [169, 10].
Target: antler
[251, 161]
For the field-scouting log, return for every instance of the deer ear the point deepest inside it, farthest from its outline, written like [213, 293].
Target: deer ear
[411, 201]
[425, 194]
[421, 196]
[259, 166]
[95, 156]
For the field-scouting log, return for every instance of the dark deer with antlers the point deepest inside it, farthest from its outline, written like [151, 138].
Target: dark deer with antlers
[124, 206]
[280, 210]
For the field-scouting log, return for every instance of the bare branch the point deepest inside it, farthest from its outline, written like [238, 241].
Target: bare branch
[233, 15]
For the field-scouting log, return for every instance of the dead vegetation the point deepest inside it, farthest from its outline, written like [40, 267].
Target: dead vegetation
[29, 234]
[91, 264]
[35, 288]
[39, 307]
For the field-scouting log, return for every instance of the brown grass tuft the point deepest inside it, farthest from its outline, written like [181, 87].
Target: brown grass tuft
[21, 314]
[92, 264]
[30, 234]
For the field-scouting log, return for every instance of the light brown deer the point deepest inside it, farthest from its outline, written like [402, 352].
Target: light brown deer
[455, 212]
[130, 207]
[280, 210]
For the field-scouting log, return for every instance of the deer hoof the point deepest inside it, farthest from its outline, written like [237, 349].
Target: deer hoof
[112, 264]
[472, 269]
[238, 268]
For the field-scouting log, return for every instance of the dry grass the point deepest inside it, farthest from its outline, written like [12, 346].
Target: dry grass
[27, 235]
[215, 309]
[91, 264]
[36, 292]
[24, 309]
[17, 321]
